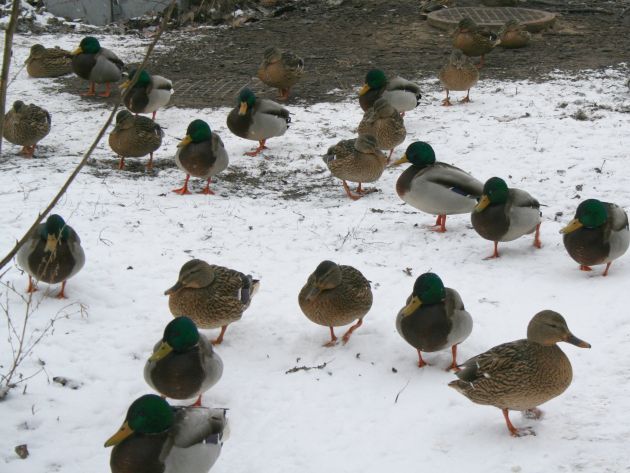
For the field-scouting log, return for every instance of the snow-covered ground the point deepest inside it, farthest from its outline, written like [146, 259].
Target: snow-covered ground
[277, 218]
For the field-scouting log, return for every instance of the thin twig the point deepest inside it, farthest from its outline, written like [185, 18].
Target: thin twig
[6, 63]
[295, 369]
[400, 392]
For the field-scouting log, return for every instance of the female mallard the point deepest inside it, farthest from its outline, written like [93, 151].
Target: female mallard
[473, 40]
[26, 125]
[384, 123]
[435, 187]
[98, 65]
[336, 295]
[212, 296]
[504, 214]
[257, 119]
[134, 137]
[158, 438]
[48, 62]
[148, 94]
[402, 94]
[598, 234]
[356, 160]
[200, 154]
[513, 35]
[460, 74]
[183, 364]
[434, 318]
[52, 254]
[523, 374]
[280, 69]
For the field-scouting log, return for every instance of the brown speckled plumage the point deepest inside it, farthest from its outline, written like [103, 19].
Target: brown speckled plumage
[48, 62]
[280, 69]
[473, 40]
[384, 123]
[513, 35]
[459, 73]
[135, 136]
[356, 160]
[26, 125]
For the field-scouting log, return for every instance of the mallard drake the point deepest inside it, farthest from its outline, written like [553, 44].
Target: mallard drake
[257, 119]
[523, 374]
[402, 94]
[280, 69]
[384, 123]
[26, 125]
[48, 62]
[200, 154]
[159, 438]
[357, 160]
[134, 137]
[434, 318]
[598, 234]
[513, 35]
[98, 65]
[212, 296]
[473, 40]
[149, 93]
[435, 187]
[504, 214]
[183, 364]
[52, 254]
[460, 74]
[336, 295]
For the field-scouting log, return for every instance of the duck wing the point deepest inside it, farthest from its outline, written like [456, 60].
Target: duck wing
[455, 179]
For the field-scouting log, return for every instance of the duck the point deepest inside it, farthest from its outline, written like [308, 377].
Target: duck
[434, 187]
[505, 214]
[281, 70]
[434, 318]
[201, 153]
[183, 364]
[357, 160]
[336, 295]
[429, 6]
[148, 94]
[212, 296]
[513, 35]
[473, 40]
[402, 94]
[96, 64]
[257, 119]
[48, 62]
[134, 137]
[159, 438]
[597, 235]
[459, 74]
[384, 123]
[26, 125]
[52, 253]
[522, 374]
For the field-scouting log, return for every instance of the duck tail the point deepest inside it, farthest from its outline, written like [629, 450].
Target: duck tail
[249, 288]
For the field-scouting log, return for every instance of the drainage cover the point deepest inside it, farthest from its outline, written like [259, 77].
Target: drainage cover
[492, 18]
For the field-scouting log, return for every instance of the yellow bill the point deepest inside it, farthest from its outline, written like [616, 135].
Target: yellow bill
[163, 350]
[572, 226]
[414, 304]
[243, 108]
[364, 90]
[51, 244]
[482, 204]
[77, 51]
[124, 432]
[401, 160]
[186, 140]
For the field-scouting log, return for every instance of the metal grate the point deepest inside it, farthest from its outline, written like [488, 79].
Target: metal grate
[493, 18]
[204, 92]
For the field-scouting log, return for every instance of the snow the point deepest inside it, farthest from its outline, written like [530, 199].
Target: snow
[276, 218]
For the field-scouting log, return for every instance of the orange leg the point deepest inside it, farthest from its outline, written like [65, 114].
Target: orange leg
[91, 91]
[606, 270]
[348, 334]
[61, 294]
[219, 339]
[537, 242]
[350, 194]
[184, 189]
[440, 224]
[514, 432]
[284, 94]
[261, 146]
[467, 98]
[333, 339]
[533, 413]
[421, 362]
[108, 90]
[583, 267]
[121, 164]
[496, 251]
[481, 63]
[197, 402]
[150, 163]
[207, 189]
[153, 116]
[31, 286]
[27, 151]
[446, 102]
[453, 366]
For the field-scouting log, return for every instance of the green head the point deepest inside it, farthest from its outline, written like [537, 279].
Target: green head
[467, 24]
[90, 45]
[56, 227]
[144, 79]
[427, 290]
[375, 79]
[495, 191]
[181, 334]
[418, 153]
[246, 100]
[199, 131]
[591, 213]
[149, 414]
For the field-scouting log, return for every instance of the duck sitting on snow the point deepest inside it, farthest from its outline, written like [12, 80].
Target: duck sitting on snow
[26, 125]
[48, 62]
[402, 94]
[97, 64]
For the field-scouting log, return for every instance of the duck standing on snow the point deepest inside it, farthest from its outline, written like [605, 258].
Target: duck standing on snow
[158, 438]
[434, 187]
[26, 125]
[513, 35]
[357, 160]
[598, 234]
[48, 62]
[134, 137]
[52, 254]
[386, 125]
[434, 318]
[459, 74]
[505, 214]
[336, 295]
[523, 374]
[97, 64]
[402, 94]
[212, 296]
[280, 69]
[149, 93]
[200, 154]
[473, 40]
[257, 119]
[183, 364]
